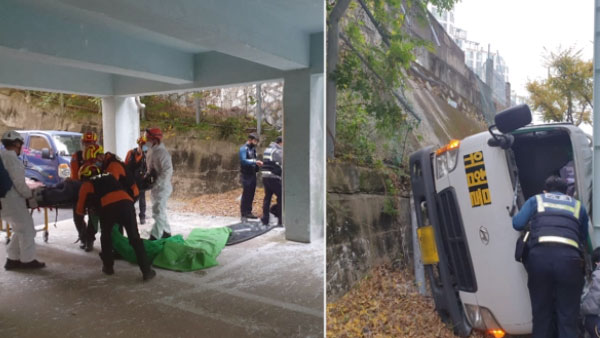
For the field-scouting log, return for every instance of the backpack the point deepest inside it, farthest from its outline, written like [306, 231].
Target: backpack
[5, 181]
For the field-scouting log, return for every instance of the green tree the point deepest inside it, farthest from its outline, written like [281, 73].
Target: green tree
[566, 93]
[370, 73]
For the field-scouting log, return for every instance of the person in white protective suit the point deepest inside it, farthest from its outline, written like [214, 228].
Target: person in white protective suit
[20, 252]
[160, 170]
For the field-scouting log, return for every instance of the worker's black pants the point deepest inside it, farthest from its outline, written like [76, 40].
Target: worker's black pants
[249, 187]
[555, 281]
[592, 325]
[122, 213]
[92, 225]
[87, 232]
[272, 186]
[142, 204]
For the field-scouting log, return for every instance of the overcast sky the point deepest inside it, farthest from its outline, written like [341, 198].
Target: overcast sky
[521, 29]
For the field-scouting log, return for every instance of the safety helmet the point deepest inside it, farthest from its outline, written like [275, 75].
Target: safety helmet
[142, 140]
[88, 170]
[12, 135]
[155, 133]
[92, 151]
[89, 137]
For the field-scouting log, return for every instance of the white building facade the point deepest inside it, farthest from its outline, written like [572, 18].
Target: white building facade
[478, 57]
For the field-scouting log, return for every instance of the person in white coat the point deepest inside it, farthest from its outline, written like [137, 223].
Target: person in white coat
[160, 168]
[20, 252]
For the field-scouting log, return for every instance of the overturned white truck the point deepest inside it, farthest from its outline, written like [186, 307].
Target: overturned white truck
[465, 194]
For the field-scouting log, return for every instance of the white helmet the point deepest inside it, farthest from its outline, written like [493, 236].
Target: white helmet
[12, 135]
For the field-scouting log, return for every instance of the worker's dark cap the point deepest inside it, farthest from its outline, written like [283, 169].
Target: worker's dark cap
[279, 139]
[253, 136]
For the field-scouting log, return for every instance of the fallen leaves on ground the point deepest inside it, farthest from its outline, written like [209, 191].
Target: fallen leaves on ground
[223, 204]
[386, 304]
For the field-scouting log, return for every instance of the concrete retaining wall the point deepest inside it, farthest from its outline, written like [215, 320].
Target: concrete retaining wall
[362, 231]
[203, 166]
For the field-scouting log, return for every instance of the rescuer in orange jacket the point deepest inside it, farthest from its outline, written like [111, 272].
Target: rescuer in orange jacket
[91, 154]
[77, 160]
[112, 165]
[116, 207]
[135, 161]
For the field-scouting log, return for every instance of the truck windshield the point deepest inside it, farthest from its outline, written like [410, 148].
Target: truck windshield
[67, 145]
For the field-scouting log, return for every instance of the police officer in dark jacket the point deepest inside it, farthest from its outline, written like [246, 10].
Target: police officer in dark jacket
[271, 178]
[554, 264]
[249, 165]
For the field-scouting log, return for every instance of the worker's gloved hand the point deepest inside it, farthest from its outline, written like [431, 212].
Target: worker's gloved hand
[147, 182]
[32, 203]
[37, 194]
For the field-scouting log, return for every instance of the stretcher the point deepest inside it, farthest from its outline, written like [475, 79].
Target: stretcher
[5, 227]
[48, 198]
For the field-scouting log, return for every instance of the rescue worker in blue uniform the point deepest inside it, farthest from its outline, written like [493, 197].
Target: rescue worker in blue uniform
[249, 165]
[554, 264]
[271, 178]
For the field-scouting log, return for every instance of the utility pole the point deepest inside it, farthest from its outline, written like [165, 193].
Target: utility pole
[197, 104]
[259, 111]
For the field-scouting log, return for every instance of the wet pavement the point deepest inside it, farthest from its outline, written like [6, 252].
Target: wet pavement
[265, 287]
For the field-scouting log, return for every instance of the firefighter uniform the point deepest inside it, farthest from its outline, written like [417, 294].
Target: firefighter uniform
[554, 264]
[135, 161]
[117, 168]
[76, 163]
[116, 207]
[271, 178]
[248, 169]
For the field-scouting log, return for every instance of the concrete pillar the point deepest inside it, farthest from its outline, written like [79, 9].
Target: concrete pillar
[596, 179]
[120, 124]
[303, 156]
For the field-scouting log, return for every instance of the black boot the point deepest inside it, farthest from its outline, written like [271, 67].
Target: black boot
[148, 275]
[166, 235]
[34, 264]
[12, 264]
[108, 270]
[82, 243]
[89, 245]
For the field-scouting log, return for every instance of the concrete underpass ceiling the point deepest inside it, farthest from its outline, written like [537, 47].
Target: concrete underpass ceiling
[133, 47]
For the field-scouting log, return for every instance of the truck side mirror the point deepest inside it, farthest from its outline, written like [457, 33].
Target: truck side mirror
[46, 154]
[513, 118]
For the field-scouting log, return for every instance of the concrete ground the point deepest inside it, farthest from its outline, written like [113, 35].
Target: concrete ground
[265, 287]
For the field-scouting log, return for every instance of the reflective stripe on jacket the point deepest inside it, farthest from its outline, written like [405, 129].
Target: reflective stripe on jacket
[272, 159]
[557, 219]
[105, 188]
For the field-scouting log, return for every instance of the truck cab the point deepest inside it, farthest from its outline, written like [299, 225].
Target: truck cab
[466, 193]
[46, 154]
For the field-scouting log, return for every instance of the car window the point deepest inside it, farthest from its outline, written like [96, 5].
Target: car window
[38, 143]
[67, 145]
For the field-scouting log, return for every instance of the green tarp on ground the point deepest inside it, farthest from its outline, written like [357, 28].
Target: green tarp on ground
[198, 251]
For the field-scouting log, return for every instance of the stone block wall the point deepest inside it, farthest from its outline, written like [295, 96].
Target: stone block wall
[203, 166]
[361, 230]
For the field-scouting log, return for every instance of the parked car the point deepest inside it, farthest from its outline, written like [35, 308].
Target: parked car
[47, 154]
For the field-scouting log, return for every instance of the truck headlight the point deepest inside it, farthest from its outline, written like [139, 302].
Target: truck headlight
[446, 158]
[482, 319]
[64, 171]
